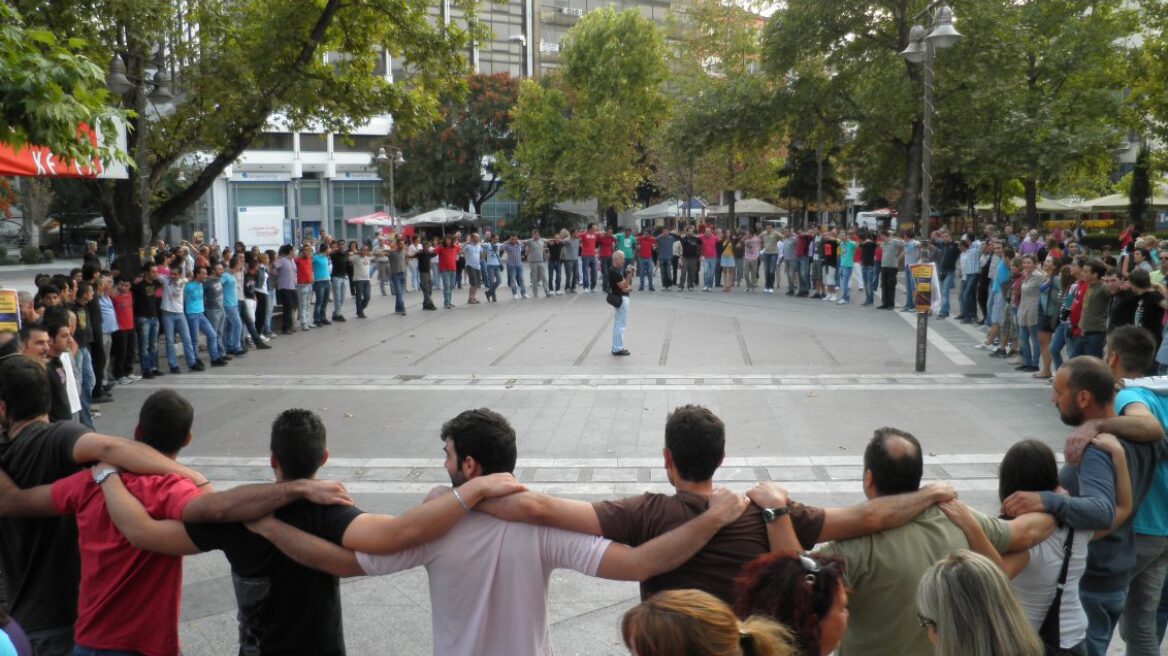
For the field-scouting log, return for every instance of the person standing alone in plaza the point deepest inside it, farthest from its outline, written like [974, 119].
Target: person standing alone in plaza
[890, 263]
[619, 282]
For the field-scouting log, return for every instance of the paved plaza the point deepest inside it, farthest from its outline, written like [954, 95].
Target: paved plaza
[800, 384]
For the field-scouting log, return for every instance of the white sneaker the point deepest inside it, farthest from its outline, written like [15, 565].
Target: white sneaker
[841, 302]
[983, 347]
[525, 295]
[125, 380]
[133, 377]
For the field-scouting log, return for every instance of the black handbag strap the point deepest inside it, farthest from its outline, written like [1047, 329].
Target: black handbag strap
[1049, 632]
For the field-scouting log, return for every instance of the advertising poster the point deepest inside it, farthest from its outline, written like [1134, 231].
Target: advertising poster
[922, 275]
[9, 311]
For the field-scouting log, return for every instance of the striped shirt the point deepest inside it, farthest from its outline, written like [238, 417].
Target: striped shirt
[971, 260]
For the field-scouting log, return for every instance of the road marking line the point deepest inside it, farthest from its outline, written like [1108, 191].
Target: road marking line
[412, 387]
[940, 343]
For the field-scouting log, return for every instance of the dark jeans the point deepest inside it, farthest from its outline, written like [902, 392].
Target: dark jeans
[288, 302]
[99, 356]
[969, 297]
[605, 267]
[555, 275]
[768, 263]
[666, 264]
[52, 642]
[122, 347]
[320, 289]
[86, 651]
[147, 342]
[888, 286]
[399, 289]
[427, 285]
[361, 290]
[1088, 345]
[869, 284]
[588, 281]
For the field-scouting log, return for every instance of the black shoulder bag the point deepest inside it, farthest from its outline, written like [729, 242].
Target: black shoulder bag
[614, 300]
[1049, 631]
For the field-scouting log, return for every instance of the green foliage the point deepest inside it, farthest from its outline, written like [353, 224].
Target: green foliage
[238, 64]
[48, 88]
[30, 255]
[48, 255]
[581, 135]
[443, 161]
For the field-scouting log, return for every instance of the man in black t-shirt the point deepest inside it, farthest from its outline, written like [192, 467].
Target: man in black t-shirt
[146, 300]
[425, 256]
[39, 560]
[619, 282]
[691, 249]
[286, 608]
[340, 264]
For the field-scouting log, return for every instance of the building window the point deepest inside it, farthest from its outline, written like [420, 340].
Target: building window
[357, 143]
[250, 194]
[272, 141]
[313, 143]
[310, 193]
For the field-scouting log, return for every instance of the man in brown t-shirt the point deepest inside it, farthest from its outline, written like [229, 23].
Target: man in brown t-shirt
[695, 442]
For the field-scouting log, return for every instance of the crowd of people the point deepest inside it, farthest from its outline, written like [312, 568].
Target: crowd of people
[94, 527]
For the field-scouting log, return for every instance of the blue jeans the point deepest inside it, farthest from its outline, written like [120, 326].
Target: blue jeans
[588, 274]
[361, 289]
[1088, 345]
[320, 288]
[645, 272]
[555, 275]
[88, 380]
[491, 277]
[303, 295]
[267, 318]
[909, 288]
[1028, 345]
[845, 283]
[170, 321]
[515, 279]
[666, 264]
[605, 265]
[708, 265]
[1057, 341]
[804, 274]
[86, 651]
[338, 294]
[448, 283]
[1144, 593]
[1103, 610]
[768, 263]
[218, 323]
[869, 284]
[946, 291]
[618, 325]
[969, 296]
[147, 342]
[198, 322]
[233, 332]
[398, 281]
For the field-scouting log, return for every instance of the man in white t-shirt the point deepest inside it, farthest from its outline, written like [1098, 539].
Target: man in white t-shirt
[489, 578]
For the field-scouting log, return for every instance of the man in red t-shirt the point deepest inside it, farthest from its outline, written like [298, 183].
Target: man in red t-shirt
[588, 243]
[129, 599]
[645, 245]
[303, 285]
[709, 256]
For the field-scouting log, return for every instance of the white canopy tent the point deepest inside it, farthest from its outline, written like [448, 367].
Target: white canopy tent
[750, 207]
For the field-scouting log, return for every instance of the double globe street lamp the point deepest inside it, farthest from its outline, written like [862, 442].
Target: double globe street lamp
[383, 159]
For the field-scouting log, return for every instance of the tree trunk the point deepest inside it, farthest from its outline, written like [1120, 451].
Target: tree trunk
[909, 206]
[1030, 187]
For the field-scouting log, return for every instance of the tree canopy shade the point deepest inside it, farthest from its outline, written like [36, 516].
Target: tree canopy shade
[48, 88]
[237, 66]
[582, 133]
[444, 162]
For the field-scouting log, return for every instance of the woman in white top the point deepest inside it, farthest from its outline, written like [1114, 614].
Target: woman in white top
[1029, 466]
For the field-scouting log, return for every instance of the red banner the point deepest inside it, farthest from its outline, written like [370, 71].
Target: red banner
[38, 161]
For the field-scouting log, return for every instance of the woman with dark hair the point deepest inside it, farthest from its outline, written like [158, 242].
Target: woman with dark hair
[804, 592]
[1036, 574]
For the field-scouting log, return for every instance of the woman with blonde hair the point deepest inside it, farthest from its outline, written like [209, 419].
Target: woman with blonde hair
[966, 605]
[697, 623]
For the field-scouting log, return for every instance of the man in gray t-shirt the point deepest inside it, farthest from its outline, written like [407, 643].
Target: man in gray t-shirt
[537, 263]
[891, 251]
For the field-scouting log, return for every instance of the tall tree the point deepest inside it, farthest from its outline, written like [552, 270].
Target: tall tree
[445, 162]
[1141, 189]
[582, 133]
[239, 66]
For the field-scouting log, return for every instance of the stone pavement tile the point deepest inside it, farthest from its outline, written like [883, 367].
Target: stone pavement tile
[783, 474]
[972, 470]
[609, 475]
[845, 473]
[379, 474]
[558, 475]
[735, 474]
[215, 635]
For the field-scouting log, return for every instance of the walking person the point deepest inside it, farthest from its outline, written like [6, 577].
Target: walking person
[620, 281]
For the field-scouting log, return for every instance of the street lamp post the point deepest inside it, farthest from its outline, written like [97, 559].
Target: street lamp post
[383, 158]
[941, 34]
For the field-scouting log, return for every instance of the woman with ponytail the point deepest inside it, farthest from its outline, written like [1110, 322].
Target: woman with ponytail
[696, 623]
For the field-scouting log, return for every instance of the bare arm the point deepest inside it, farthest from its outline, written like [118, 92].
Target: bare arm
[544, 510]
[385, 534]
[308, 549]
[959, 514]
[32, 502]
[130, 456]
[248, 502]
[882, 513]
[781, 531]
[164, 536]
[671, 550]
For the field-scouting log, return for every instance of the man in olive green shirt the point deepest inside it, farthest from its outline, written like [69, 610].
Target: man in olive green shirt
[882, 570]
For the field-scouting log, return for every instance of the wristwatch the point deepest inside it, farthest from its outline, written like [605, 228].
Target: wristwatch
[771, 514]
[100, 475]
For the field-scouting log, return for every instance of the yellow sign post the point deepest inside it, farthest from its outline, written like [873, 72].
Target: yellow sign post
[9, 311]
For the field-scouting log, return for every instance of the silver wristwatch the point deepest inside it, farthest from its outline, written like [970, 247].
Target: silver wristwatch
[771, 514]
[99, 475]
